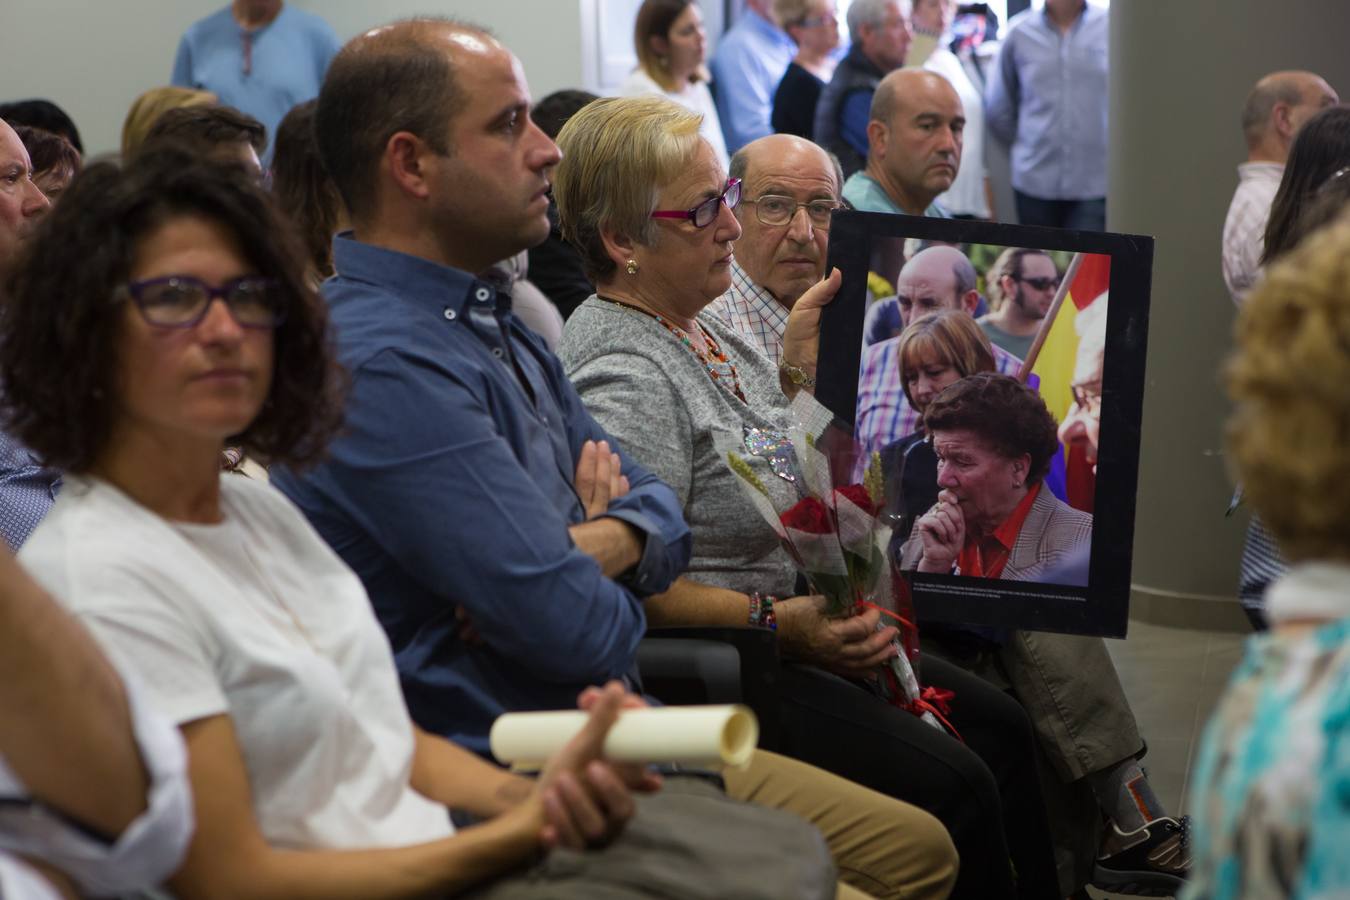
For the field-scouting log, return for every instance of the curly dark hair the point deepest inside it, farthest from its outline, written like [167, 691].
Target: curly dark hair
[1009, 417]
[48, 150]
[60, 328]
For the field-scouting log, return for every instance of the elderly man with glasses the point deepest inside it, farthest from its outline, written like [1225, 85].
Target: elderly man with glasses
[790, 187]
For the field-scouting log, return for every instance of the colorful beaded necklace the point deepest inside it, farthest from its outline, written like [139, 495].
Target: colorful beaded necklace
[719, 368]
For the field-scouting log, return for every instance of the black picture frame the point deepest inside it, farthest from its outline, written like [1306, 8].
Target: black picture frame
[1102, 606]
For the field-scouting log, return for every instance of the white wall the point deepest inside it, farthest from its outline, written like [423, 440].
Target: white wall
[545, 34]
[93, 57]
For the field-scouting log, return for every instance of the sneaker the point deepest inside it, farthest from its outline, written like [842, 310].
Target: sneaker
[1154, 862]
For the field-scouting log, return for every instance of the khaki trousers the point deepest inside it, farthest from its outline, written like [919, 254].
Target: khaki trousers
[883, 848]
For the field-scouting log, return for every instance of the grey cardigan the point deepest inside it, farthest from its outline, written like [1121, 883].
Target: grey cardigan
[657, 400]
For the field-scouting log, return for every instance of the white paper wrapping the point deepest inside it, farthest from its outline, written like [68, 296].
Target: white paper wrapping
[703, 736]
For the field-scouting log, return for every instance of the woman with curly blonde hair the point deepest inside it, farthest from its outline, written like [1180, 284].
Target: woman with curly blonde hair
[1268, 799]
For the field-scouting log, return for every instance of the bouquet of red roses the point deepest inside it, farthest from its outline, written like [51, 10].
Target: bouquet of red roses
[834, 529]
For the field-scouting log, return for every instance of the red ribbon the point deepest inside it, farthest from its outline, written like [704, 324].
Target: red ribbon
[886, 612]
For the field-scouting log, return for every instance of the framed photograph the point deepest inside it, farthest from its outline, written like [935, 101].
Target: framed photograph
[1066, 313]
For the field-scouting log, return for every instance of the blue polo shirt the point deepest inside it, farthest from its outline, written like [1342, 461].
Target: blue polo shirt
[451, 485]
[284, 64]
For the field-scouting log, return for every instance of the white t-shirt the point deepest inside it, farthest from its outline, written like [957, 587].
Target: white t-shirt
[966, 196]
[696, 98]
[148, 850]
[258, 619]
[20, 881]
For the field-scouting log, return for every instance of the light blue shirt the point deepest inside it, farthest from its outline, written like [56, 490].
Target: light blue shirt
[1047, 99]
[865, 195]
[285, 65]
[746, 69]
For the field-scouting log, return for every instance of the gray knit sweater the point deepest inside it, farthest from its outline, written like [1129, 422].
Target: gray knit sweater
[654, 396]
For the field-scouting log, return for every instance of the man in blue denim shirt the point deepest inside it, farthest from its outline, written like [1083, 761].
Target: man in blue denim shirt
[454, 490]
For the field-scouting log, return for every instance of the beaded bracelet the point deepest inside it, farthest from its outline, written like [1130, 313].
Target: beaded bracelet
[761, 611]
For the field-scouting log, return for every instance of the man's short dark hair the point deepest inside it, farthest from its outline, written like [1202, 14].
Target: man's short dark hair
[42, 114]
[552, 113]
[1008, 417]
[60, 324]
[378, 85]
[47, 150]
[206, 128]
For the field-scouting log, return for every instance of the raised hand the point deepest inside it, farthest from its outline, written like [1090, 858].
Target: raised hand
[599, 478]
[943, 531]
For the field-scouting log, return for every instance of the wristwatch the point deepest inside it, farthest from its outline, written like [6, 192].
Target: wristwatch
[797, 375]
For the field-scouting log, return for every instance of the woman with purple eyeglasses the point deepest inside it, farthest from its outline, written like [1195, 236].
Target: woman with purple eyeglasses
[651, 212]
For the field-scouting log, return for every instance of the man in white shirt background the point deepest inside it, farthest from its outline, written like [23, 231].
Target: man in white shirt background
[1275, 109]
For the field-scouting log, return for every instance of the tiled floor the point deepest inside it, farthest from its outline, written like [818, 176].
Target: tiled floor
[1173, 677]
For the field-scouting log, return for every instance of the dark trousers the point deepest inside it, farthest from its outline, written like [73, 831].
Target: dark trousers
[986, 791]
[1080, 215]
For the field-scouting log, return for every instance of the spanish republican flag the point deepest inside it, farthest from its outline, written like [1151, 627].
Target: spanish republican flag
[1056, 362]
[1059, 354]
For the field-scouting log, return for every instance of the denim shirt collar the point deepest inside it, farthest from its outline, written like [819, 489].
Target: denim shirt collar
[417, 281]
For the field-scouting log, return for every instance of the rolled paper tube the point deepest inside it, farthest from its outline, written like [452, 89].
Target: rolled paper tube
[702, 736]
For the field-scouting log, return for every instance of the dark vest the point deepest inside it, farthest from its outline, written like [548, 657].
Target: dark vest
[855, 73]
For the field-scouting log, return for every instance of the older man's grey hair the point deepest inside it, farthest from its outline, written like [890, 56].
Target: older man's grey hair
[870, 13]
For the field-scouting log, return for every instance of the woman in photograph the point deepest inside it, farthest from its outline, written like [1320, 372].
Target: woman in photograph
[935, 351]
[994, 440]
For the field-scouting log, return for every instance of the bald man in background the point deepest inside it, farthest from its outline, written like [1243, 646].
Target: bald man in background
[1275, 109]
[914, 145]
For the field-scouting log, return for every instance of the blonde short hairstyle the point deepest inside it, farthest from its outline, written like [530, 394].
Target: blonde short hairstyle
[949, 336]
[617, 155]
[148, 107]
[791, 12]
[1289, 435]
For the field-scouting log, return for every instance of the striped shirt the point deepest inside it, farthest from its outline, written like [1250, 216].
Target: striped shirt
[883, 412]
[753, 313]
